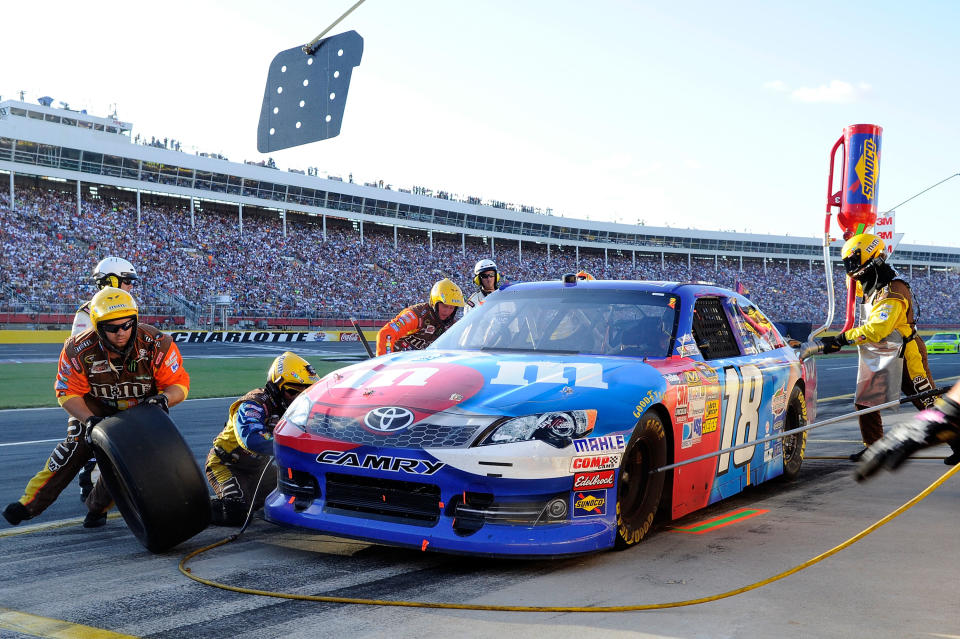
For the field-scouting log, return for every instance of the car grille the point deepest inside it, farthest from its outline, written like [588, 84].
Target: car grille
[348, 429]
[386, 499]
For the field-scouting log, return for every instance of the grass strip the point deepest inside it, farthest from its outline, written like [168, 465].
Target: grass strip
[30, 385]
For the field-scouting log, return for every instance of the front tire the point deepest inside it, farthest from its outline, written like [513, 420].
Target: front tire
[152, 476]
[639, 491]
[795, 445]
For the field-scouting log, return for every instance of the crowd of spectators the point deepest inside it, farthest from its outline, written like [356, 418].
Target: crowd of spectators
[49, 249]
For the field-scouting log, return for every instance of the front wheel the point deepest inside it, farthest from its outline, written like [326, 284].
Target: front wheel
[639, 491]
[794, 445]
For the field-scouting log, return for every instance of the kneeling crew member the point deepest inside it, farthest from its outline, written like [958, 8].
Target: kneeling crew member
[114, 366]
[417, 326]
[245, 445]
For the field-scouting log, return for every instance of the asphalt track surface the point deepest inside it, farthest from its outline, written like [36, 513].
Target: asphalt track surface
[898, 582]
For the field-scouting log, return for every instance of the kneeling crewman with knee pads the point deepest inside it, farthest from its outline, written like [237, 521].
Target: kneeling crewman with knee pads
[244, 447]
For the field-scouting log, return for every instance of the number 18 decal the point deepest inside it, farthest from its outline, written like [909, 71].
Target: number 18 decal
[747, 396]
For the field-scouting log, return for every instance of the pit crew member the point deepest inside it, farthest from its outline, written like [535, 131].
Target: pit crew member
[891, 352]
[118, 273]
[417, 326]
[244, 447]
[117, 364]
[487, 277]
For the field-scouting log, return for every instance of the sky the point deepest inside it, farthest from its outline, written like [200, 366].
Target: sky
[701, 114]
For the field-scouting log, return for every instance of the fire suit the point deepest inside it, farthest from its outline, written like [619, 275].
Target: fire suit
[81, 321]
[107, 385]
[243, 448]
[889, 317]
[476, 300]
[416, 327]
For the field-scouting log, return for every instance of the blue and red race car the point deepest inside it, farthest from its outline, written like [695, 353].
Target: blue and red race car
[532, 426]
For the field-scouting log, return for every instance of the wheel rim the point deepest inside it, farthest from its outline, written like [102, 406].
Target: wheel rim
[633, 480]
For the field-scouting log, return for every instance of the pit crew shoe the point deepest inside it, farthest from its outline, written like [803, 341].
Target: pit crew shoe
[94, 520]
[954, 459]
[85, 479]
[15, 513]
[857, 455]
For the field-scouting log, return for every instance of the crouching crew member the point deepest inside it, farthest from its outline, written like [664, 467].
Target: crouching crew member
[244, 447]
[114, 366]
[417, 326]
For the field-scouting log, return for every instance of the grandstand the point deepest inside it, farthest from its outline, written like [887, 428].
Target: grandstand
[247, 244]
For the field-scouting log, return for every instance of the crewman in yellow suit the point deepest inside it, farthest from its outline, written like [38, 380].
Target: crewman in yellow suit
[893, 357]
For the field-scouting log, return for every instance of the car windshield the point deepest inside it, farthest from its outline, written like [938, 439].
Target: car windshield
[944, 337]
[569, 320]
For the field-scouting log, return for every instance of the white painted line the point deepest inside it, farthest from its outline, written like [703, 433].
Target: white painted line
[35, 441]
[198, 399]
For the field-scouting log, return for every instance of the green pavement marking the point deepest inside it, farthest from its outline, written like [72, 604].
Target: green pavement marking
[720, 522]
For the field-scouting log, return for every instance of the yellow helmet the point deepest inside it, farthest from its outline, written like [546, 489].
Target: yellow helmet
[583, 275]
[111, 303]
[447, 292]
[291, 370]
[288, 376]
[862, 252]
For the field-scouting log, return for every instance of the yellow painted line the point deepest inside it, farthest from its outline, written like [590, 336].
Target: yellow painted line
[53, 525]
[850, 395]
[28, 624]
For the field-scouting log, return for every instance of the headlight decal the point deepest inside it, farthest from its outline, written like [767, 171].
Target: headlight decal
[557, 428]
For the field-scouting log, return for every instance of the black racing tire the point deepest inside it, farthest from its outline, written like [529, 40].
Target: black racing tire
[152, 476]
[794, 446]
[639, 490]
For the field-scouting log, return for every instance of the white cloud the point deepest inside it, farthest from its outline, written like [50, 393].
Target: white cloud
[837, 92]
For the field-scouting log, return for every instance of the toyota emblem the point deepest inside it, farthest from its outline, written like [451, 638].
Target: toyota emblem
[388, 419]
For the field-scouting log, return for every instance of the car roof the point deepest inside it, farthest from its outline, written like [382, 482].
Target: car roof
[678, 288]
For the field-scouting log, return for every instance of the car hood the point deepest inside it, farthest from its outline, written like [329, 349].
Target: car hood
[486, 383]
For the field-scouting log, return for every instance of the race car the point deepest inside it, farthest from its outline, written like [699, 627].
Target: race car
[536, 425]
[944, 343]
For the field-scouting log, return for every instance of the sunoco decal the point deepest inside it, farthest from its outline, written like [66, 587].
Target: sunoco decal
[589, 502]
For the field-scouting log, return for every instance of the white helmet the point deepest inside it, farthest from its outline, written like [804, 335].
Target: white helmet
[111, 271]
[485, 265]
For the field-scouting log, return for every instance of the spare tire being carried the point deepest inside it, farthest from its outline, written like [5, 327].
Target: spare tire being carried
[152, 476]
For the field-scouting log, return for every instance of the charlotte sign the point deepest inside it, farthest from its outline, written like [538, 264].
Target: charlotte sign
[250, 337]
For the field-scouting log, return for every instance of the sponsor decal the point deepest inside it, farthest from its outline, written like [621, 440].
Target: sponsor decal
[672, 378]
[122, 390]
[778, 403]
[866, 169]
[387, 419]
[689, 350]
[599, 444]
[84, 344]
[708, 373]
[588, 375]
[430, 329]
[712, 410]
[99, 366]
[589, 502]
[349, 337]
[709, 425]
[601, 479]
[682, 401]
[380, 462]
[648, 400]
[698, 402]
[692, 433]
[594, 462]
[173, 362]
[692, 378]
